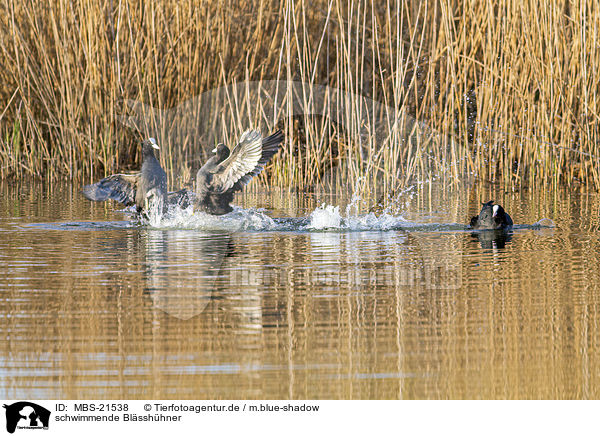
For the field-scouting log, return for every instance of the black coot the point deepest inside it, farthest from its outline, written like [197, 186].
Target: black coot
[228, 171]
[492, 217]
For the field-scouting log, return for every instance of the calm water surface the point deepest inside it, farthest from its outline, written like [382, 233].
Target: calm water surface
[283, 304]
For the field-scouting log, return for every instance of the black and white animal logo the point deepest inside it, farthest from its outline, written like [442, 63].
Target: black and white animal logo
[26, 415]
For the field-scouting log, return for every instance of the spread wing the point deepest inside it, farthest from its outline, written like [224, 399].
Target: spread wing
[270, 146]
[118, 187]
[242, 160]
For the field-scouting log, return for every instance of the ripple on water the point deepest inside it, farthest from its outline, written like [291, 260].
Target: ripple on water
[335, 304]
[325, 218]
[83, 225]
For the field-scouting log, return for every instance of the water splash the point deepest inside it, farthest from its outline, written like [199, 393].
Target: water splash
[328, 217]
[325, 217]
[353, 206]
[544, 223]
[238, 220]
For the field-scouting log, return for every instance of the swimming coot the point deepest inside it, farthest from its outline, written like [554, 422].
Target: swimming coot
[492, 217]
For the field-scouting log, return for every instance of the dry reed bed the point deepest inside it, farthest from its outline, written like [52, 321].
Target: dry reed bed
[504, 91]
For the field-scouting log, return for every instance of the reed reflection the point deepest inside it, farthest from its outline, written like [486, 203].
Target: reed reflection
[181, 268]
[297, 314]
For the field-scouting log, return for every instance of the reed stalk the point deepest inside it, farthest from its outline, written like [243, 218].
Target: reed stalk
[501, 91]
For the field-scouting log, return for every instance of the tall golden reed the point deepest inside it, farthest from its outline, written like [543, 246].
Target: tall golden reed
[504, 91]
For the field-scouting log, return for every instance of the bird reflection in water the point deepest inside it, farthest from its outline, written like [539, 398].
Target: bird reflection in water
[490, 239]
[181, 268]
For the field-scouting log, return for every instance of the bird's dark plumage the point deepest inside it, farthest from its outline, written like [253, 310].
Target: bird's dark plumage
[228, 171]
[492, 217]
[145, 189]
